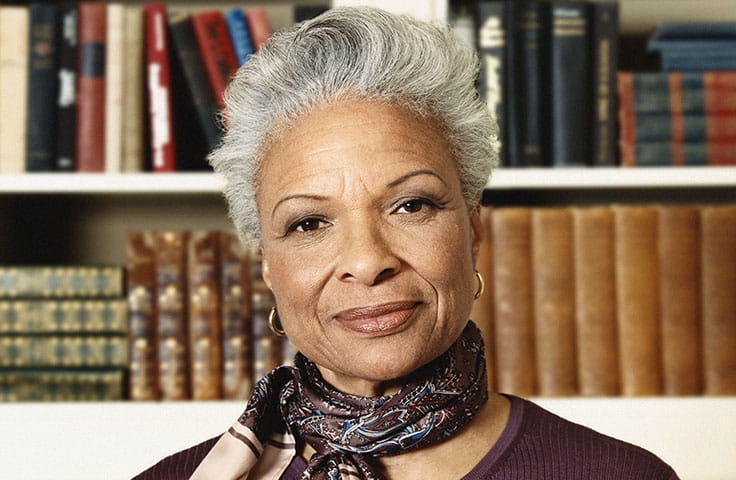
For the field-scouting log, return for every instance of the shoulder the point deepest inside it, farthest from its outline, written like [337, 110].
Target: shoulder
[180, 465]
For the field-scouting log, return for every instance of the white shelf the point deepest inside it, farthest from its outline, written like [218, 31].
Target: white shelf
[502, 179]
[92, 441]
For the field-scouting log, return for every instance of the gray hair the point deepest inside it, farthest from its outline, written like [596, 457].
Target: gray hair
[352, 52]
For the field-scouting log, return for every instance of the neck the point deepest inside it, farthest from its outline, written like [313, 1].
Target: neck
[361, 387]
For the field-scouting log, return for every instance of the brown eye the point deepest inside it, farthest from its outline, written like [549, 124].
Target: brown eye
[307, 225]
[411, 206]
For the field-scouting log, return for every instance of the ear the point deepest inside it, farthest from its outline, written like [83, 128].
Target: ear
[265, 271]
[476, 231]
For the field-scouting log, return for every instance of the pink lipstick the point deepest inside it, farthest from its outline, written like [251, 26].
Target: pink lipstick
[378, 318]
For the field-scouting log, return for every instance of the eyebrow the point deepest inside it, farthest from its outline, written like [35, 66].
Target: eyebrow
[415, 173]
[292, 197]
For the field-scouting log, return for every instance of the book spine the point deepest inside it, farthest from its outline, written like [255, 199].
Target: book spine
[595, 301]
[171, 294]
[158, 81]
[142, 314]
[216, 50]
[61, 281]
[679, 290]
[22, 351]
[90, 140]
[114, 65]
[662, 153]
[653, 127]
[239, 34]
[63, 316]
[14, 23]
[66, 120]
[554, 301]
[237, 338]
[133, 91]
[718, 254]
[59, 385]
[679, 96]
[493, 64]
[570, 79]
[605, 65]
[43, 45]
[637, 299]
[259, 27]
[514, 315]
[204, 315]
[482, 312]
[186, 48]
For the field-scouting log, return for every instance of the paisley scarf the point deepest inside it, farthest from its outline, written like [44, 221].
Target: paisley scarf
[346, 431]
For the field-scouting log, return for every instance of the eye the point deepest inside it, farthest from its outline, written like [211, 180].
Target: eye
[307, 225]
[412, 206]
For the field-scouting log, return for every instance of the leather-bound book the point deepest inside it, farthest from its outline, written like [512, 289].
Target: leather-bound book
[216, 49]
[482, 313]
[267, 346]
[133, 81]
[142, 314]
[679, 289]
[719, 299]
[114, 86]
[554, 301]
[235, 312]
[595, 302]
[637, 300]
[171, 294]
[91, 87]
[205, 345]
[14, 22]
[605, 65]
[513, 302]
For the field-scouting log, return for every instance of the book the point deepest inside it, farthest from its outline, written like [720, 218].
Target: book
[258, 25]
[669, 153]
[63, 316]
[658, 81]
[595, 302]
[718, 252]
[140, 270]
[654, 127]
[14, 23]
[59, 385]
[682, 30]
[43, 44]
[205, 340]
[605, 65]
[158, 83]
[306, 12]
[216, 49]
[570, 79]
[553, 278]
[482, 312]
[32, 351]
[637, 299]
[61, 281]
[513, 331]
[235, 312]
[170, 250]
[133, 154]
[66, 115]
[114, 65]
[267, 346]
[239, 34]
[679, 293]
[90, 140]
[491, 18]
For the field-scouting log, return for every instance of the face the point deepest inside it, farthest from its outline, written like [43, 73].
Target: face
[368, 244]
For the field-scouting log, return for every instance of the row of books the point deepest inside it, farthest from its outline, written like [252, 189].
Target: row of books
[548, 74]
[63, 333]
[610, 300]
[117, 87]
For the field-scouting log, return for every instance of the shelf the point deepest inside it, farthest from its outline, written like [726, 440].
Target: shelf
[92, 441]
[502, 179]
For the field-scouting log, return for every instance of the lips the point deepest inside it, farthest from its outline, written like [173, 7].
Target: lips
[383, 318]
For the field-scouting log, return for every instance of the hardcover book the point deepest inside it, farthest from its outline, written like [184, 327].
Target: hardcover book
[63, 316]
[216, 50]
[482, 313]
[605, 65]
[61, 281]
[66, 117]
[59, 385]
[14, 80]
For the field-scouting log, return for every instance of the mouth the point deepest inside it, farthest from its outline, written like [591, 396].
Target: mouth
[377, 319]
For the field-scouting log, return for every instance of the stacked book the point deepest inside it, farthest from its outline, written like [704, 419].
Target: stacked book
[686, 114]
[610, 300]
[63, 333]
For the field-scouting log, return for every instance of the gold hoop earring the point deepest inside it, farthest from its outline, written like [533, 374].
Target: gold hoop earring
[481, 285]
[274, 323]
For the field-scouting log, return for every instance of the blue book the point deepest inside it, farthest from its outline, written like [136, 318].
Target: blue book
[696, 30]
[239, 34]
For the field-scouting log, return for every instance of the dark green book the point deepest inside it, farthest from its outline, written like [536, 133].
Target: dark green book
[71, 351]
[64, 316]
[61, 281]
[19, 385]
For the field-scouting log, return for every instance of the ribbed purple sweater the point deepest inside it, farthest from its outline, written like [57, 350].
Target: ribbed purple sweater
[534, 445]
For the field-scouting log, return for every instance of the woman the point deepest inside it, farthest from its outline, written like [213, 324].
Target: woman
[356, 153]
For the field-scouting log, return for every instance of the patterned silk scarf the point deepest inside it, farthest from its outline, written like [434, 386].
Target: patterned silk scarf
[346, 430]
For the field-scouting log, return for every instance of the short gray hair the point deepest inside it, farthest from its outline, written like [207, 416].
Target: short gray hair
[355, 53]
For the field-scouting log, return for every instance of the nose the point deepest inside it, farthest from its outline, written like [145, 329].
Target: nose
[367, 256]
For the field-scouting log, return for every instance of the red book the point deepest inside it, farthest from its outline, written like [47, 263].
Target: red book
[159, 89]
[91, 87]
[260, 30]
[217, 51]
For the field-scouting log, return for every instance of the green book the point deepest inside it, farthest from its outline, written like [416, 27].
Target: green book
[61, 385]
[26, 351]
[64, 316]
[61, 281]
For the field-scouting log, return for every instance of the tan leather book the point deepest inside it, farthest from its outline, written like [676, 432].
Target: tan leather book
[554, 301]
[482, 312]
[205, 341]
[235, 312]
[141, 285]
[679, 299]
[513, 304]
[637, 299]
[595, 302]
[171, 294]
[719, 299]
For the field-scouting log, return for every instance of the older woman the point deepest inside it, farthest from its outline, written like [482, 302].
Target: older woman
[356, 153]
